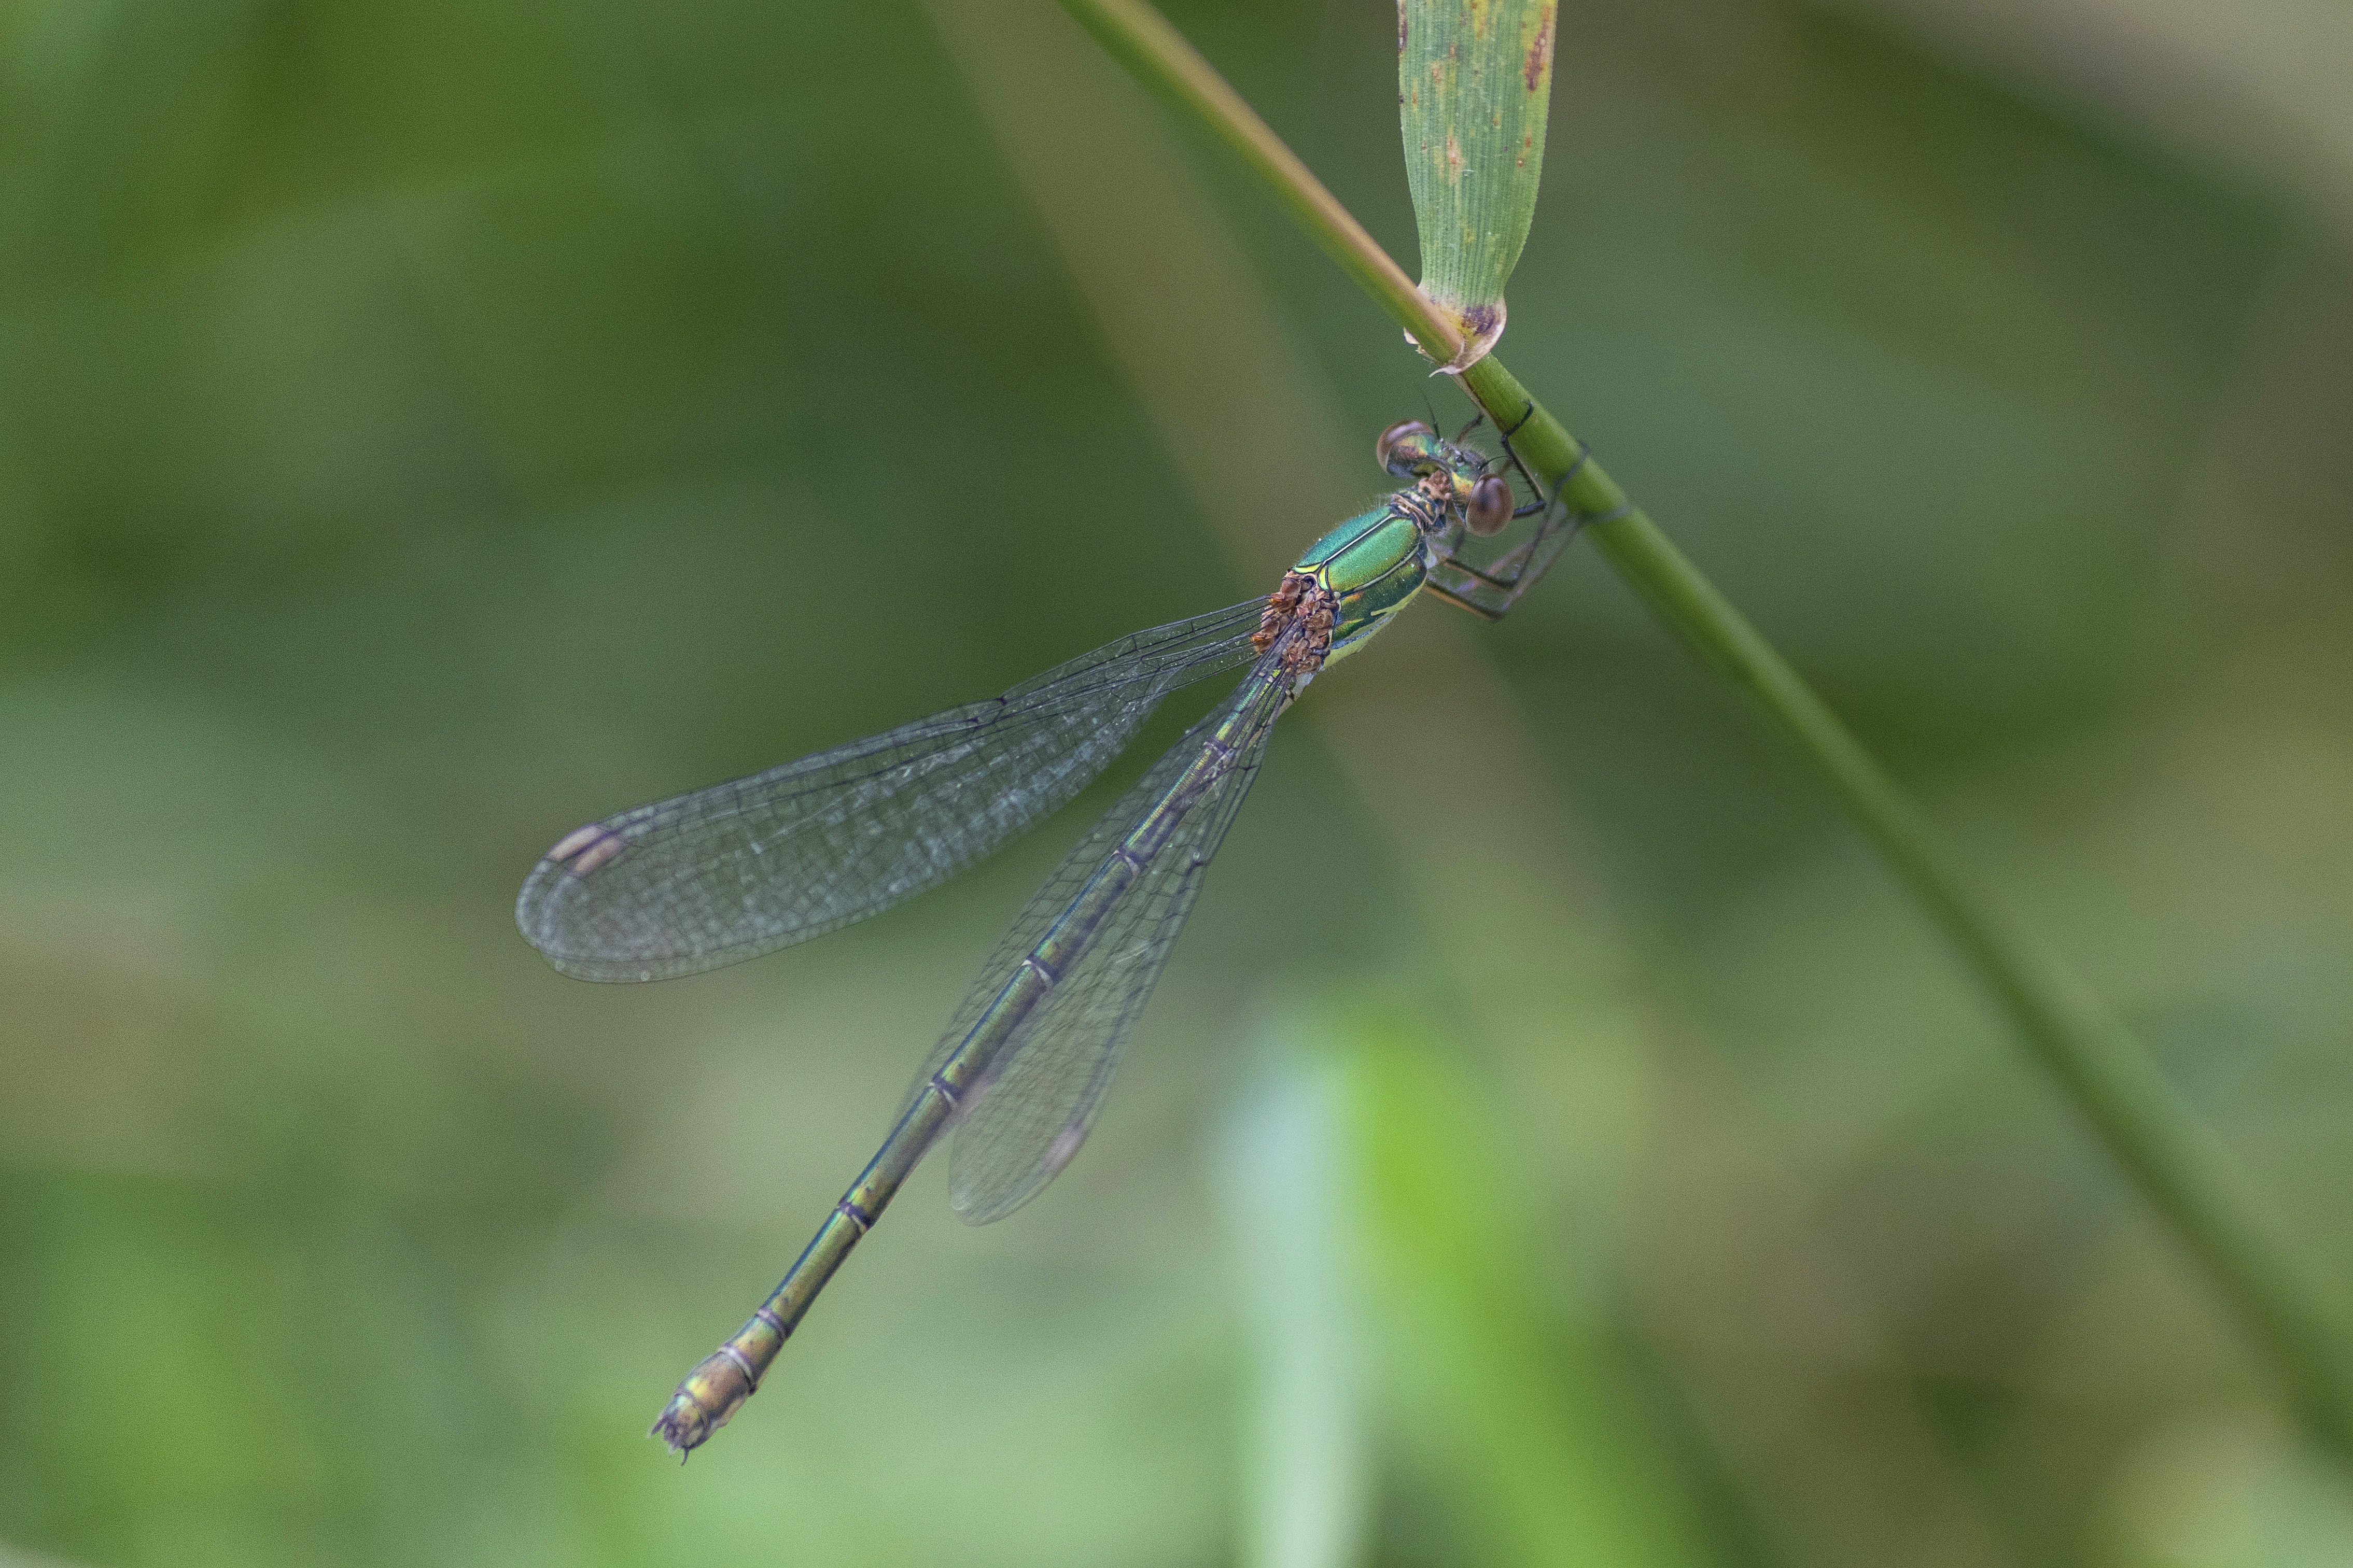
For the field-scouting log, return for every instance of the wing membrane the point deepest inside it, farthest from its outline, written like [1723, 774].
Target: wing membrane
[737, 869]
[1043, 1090]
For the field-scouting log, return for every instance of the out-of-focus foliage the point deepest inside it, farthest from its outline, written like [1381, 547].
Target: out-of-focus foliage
[425, 427]
[1376, 1184]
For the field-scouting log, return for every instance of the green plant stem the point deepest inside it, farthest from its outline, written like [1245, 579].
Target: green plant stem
[2094, 1059]
[1140, 38]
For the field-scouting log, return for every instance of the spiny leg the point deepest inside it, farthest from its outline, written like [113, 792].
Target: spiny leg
[1507, 571]
[1543, 502]
[1491, 593]
[1549, 505]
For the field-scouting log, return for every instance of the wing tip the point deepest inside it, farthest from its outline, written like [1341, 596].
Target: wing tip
[584, 849]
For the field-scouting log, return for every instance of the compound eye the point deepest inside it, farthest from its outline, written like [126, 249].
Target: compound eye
[1489, 506]
[1405, 446]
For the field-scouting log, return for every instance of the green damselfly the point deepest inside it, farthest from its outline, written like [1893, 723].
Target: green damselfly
[742, 869]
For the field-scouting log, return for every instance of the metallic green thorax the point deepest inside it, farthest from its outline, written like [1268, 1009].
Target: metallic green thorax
[1373, 563]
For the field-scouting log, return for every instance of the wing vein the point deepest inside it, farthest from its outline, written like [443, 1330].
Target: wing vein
[1036, 1062]
[740, 869]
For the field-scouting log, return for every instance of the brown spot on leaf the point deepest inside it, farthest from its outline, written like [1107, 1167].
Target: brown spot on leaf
[1400, 27]
[1539, 60]
[1454, 156]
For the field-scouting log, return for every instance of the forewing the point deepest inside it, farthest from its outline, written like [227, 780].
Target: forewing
[1041, 1097]
[738, 870]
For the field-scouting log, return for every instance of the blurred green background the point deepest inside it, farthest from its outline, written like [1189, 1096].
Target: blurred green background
[428, 425]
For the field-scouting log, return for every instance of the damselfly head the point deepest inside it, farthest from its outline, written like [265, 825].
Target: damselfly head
[1408, 449]
[1453, 485]
[1488, 508]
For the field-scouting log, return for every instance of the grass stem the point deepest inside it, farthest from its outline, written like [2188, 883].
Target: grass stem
[2094, 1058]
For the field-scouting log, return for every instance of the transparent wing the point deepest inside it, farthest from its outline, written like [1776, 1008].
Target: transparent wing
[741, 868]
[1041, 1094]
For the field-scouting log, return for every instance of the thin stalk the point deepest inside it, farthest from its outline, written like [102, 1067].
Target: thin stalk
[2094, 1058]
[1140, 38]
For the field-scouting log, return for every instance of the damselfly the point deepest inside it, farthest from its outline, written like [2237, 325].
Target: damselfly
[742, 869]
